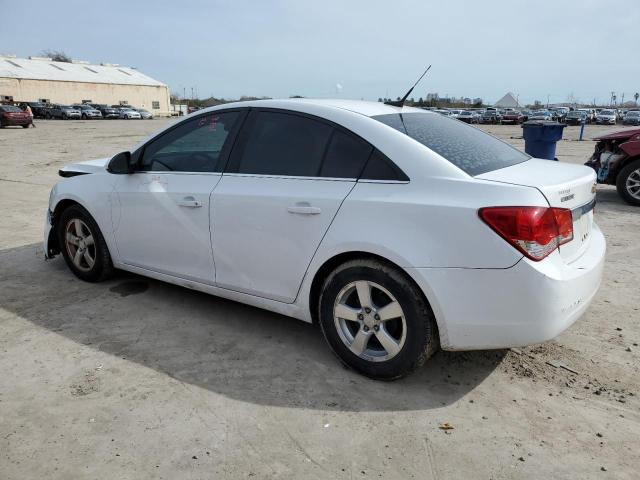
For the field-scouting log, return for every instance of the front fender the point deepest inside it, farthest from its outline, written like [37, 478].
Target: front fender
[95, 193]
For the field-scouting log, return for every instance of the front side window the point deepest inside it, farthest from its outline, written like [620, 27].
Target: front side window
[276, 143]
[468, 148]
[193, 146]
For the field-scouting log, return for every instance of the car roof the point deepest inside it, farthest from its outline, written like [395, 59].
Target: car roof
[366, 108]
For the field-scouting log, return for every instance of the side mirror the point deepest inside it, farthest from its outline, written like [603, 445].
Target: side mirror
[120, 164]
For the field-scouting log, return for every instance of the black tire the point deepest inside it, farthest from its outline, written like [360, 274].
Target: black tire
[26, 126]
[421, 338]
[102, 267]
[621, 182]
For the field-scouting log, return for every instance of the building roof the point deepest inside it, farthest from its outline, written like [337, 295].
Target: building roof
[509, 100]
[42, 68]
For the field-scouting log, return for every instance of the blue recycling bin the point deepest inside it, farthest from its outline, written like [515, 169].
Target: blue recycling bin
[540, 138]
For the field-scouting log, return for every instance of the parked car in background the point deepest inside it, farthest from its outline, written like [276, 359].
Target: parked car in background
[105, 110]
[10, 115]
[476, 246]
[468, 117]
[525, 115]
[129, 113]
[37, 108]
[576, 117]
[88, 111]
[513, 117]
[144, 114]
[64, 112]
[632, 118]
[491, 116]
[559, 113]
[454, 113]
[616, 160]
[446, 113]
[607, 117]
[590, 113]
[540, 115]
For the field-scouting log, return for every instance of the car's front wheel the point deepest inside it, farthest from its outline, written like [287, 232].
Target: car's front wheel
[628, 183]
[83, 246]
[376, 319]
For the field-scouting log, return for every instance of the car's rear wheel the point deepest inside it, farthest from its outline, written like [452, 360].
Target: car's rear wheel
[376, 319]
[628, 183]
[83, 246]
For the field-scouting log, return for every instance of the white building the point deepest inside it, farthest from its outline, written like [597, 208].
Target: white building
[41, 79]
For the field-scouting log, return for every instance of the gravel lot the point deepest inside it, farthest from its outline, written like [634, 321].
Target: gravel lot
[136, 379]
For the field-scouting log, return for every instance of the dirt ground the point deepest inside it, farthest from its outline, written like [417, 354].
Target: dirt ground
[136, 379]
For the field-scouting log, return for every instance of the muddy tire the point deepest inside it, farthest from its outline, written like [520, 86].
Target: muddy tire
[376, 320]
[628, 183]
[83, 246]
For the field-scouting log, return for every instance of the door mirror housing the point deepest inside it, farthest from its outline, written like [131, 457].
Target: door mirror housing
[120, 164]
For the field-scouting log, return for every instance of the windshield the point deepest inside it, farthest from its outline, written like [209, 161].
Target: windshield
[606, 112]
[633, 114]
[468, 148]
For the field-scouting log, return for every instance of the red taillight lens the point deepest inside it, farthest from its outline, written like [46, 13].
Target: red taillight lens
[535, 231]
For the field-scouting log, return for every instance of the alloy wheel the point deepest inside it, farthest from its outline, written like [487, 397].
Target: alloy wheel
[633, 184]
[80, 244]
[370, 321]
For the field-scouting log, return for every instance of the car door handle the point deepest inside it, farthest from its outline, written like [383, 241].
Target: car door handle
[189, 202]
[303, 208]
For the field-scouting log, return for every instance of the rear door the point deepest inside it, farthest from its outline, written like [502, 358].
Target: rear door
[161, 215]
[285, 182]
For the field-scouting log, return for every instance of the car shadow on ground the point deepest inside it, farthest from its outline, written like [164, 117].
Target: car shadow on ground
[226, 347]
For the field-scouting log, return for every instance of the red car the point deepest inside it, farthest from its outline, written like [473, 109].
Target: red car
[10, 115]
[512, 117]
[616, 160]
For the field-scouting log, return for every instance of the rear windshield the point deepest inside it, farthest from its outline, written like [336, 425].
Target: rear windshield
[468, 148]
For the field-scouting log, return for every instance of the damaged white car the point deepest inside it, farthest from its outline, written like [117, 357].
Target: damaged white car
[397, 230]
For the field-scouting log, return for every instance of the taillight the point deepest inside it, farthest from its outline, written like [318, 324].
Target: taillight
[535, 231]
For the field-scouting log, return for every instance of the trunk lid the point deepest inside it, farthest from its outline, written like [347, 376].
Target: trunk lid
[564, 186]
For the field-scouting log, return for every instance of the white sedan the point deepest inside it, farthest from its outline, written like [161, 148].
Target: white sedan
[396, 229]
[129, 113]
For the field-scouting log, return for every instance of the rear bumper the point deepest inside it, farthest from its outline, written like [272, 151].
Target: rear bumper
[531, 302]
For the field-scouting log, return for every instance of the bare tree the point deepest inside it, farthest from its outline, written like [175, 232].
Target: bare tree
[56, 55]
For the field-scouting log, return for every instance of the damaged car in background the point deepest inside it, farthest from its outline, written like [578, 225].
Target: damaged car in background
[616, 160]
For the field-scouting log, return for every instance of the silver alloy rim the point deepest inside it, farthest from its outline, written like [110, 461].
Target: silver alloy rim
[80, 244]
[370, 321]
[633, 184]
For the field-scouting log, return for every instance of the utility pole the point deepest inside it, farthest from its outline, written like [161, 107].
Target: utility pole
[548, 100]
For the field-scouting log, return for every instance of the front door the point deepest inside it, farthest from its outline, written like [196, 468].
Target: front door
[161, 218]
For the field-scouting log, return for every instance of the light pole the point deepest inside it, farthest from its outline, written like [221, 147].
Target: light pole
[636, 97]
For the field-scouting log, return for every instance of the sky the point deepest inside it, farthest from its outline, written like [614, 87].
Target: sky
[360, 49]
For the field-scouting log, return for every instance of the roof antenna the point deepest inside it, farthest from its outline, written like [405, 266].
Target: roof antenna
[400, 103]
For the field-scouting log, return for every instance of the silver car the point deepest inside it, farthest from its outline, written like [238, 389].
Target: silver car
[87, 111]
[144, 114]
[606, 117]
[129, 113]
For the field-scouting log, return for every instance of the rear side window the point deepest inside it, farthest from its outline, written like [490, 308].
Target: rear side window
[468, 148]
[379, 167]
[345, 157]
[281, 144]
